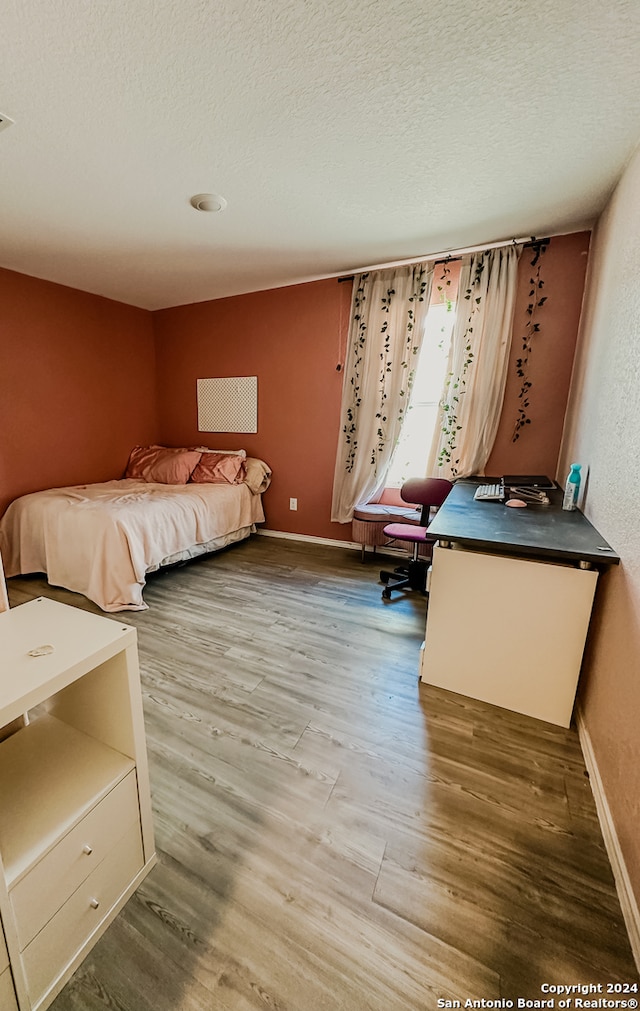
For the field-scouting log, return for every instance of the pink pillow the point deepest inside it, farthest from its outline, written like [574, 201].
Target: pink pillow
[219, 468]
[160, 465]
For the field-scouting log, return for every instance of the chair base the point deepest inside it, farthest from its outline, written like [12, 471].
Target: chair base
[412, 577]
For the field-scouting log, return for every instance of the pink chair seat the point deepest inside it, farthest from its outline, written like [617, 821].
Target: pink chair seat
[407, 532]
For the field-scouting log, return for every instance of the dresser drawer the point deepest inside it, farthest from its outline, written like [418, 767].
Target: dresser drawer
[7, 993]
[50, 953]
[48, 885]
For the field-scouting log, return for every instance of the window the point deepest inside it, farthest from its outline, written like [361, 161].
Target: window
[410, 455]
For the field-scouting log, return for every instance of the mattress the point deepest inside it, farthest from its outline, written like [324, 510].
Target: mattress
[102, 539]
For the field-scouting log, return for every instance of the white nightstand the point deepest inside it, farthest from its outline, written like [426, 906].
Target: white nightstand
[76, 835]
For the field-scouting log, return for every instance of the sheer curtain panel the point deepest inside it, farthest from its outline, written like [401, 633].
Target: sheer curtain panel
[387, 325]
[476, 376]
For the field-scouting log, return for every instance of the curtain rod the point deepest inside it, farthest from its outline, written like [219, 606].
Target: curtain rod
[454, 254]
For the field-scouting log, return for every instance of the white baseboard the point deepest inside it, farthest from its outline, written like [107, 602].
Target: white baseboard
[326, 541]
[398, 554]
[628, 902]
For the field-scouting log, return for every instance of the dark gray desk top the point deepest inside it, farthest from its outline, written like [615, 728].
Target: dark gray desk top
[538, 531]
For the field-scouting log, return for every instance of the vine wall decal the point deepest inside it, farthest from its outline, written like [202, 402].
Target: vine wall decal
[536, 301]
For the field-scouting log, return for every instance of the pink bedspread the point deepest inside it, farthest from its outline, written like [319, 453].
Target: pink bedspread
[102, 539]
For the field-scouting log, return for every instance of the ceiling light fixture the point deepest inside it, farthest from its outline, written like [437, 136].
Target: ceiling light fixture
[208, 202]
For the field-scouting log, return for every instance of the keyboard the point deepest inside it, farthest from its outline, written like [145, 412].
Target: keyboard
[489, 492]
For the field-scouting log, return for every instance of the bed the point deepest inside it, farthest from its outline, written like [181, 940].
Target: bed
[102, 540]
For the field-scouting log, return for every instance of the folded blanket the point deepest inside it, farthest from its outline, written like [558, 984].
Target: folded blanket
[258, 476]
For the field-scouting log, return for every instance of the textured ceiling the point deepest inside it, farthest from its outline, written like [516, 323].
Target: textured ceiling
[341, 135]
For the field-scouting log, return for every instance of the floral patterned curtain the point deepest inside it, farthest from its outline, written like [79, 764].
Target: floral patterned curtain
[477, 369]
[387, 324]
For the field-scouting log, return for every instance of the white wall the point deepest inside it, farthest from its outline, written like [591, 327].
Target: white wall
[603, 431]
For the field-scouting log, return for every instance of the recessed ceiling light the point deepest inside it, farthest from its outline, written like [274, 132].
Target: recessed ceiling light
[211, 202]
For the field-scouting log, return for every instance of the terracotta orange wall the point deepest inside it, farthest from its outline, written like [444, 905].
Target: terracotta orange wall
[77, 385]
[563, 269]
[291, 339]
[80, 378]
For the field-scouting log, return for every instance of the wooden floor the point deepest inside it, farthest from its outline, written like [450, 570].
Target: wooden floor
[332, 834]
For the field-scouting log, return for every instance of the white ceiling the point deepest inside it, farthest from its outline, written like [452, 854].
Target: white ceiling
[342, 134]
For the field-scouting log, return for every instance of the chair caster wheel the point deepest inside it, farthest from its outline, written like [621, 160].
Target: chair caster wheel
[386, 594]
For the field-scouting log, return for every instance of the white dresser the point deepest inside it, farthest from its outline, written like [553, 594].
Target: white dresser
[76, 836]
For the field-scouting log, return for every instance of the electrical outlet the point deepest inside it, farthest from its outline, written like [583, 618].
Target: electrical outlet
[293, 503]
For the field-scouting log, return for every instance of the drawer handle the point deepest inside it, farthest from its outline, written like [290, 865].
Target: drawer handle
[87, 849]
[94, 903]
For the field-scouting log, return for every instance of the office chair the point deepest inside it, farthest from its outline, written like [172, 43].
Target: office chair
[430, 493]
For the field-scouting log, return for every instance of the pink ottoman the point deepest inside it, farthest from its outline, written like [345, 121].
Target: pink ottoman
[370, 520]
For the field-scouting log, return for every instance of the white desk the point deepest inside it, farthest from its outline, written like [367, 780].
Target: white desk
[511, 594]
[76, 835]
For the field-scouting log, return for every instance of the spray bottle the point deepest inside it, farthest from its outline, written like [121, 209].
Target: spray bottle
[572, 488]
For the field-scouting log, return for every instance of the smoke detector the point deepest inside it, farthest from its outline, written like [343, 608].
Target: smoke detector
[5, 121]
[210, 202]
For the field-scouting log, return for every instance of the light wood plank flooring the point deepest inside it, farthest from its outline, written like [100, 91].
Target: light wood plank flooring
[331, 833]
